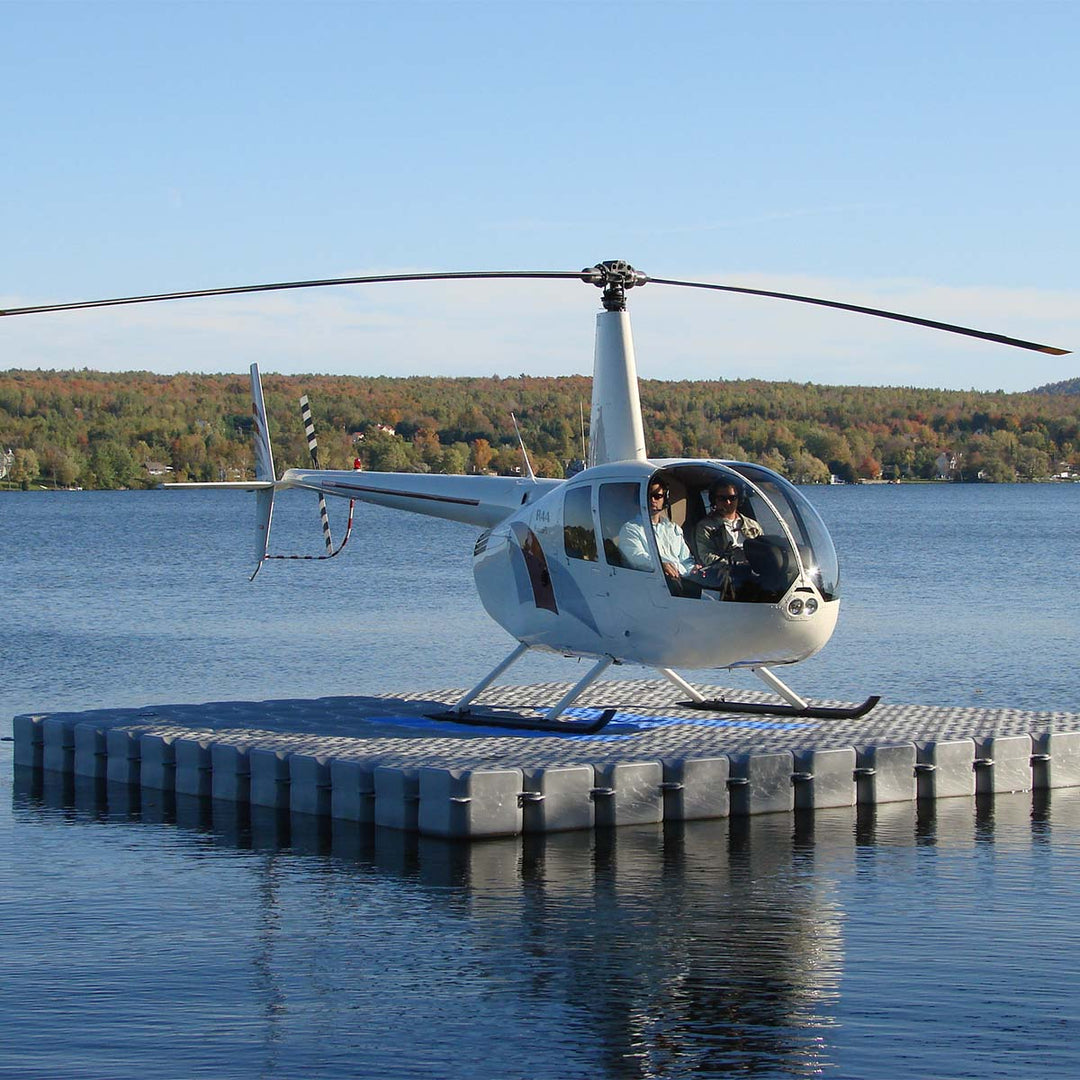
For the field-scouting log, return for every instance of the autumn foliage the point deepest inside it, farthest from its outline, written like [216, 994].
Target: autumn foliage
[106, 430]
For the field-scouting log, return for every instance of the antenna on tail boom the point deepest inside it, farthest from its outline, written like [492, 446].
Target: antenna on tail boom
[524, 453]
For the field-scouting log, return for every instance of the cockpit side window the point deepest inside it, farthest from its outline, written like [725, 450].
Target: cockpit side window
[622, 527]
[579, 536]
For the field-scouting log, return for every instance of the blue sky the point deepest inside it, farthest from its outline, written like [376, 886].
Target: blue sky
[917, 156]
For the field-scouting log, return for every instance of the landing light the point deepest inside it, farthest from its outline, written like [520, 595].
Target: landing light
[795, 607]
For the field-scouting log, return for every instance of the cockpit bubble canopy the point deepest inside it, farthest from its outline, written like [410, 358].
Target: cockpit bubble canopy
[784, 513]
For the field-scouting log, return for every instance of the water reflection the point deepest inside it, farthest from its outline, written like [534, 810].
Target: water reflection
[704, 948]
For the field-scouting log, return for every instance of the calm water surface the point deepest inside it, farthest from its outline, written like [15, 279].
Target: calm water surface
[174, 938]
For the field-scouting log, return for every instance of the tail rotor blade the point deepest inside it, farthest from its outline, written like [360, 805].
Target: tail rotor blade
[313, 449]
[324, 517]
[309, 431]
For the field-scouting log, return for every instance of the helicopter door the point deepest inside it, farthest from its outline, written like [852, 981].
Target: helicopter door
[630, 551]
[583, 585]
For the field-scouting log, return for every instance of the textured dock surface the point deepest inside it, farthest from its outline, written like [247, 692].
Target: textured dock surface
[381, 760]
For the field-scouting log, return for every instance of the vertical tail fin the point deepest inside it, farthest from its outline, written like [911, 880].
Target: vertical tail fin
[264, 459]
[264, 470]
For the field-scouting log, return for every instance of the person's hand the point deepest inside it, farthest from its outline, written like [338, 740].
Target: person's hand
[671, 570]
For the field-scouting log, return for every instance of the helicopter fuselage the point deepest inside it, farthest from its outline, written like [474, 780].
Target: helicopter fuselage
[553, 576]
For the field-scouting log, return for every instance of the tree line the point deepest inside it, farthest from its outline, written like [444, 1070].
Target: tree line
[134, 429]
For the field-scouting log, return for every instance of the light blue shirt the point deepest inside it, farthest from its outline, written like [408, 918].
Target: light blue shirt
[634, 546]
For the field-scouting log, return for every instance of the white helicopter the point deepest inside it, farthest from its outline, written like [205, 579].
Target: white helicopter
[552, 563]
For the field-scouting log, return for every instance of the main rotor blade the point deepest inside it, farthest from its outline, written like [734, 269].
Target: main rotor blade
[281, 285]
[952, 329]
[537, 275]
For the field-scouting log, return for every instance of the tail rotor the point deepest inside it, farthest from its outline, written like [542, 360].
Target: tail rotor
[313, 449]
[262, 457]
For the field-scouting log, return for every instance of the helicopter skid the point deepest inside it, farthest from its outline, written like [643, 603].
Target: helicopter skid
[812, 712]
[507, 719]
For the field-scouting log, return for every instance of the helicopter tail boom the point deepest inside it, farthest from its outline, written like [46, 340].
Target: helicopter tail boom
[480, 501]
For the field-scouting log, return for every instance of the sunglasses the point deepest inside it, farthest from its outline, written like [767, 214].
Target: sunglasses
[726, 498]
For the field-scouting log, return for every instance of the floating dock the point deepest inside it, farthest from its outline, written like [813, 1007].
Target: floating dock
[382, 761]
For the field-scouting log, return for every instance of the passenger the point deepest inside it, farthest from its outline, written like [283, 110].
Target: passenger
[675, 557]
[720, 535]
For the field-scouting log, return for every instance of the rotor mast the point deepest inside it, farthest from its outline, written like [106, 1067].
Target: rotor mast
[615, 428]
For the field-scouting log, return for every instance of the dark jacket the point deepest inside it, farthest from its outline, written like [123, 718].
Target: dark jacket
[712, 541]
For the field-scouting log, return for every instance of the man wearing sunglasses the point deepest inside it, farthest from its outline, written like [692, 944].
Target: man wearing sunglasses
[675, 557]
[720, 535]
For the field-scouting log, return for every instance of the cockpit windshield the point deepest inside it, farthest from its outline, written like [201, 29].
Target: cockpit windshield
[737, 532]
[749, 531]
[816, 549]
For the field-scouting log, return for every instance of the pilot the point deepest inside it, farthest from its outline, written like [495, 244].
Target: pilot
[720, 535]
[675, 557]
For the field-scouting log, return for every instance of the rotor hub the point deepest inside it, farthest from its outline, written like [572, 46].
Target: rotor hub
[613, 276]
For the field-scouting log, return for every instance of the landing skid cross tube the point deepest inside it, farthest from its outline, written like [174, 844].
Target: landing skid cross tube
[796, 706]
[549, 721]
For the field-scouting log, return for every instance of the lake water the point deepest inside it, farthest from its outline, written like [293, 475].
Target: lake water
[172, 938]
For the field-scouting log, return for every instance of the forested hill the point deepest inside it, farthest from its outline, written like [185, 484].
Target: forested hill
[96, 429]
[1069, 386]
